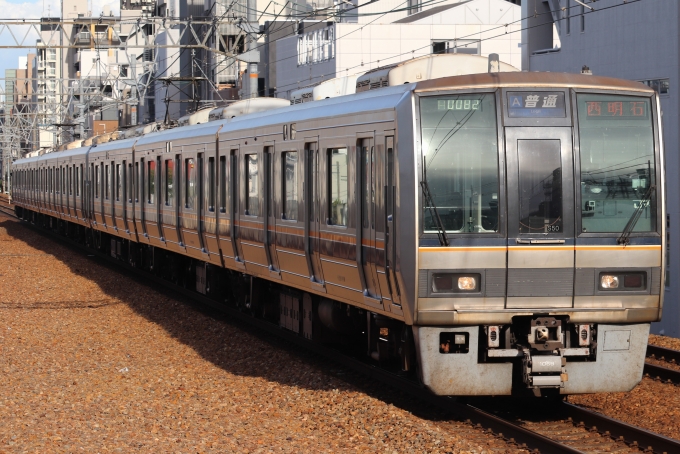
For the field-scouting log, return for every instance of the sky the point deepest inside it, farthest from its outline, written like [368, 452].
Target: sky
[21, 9]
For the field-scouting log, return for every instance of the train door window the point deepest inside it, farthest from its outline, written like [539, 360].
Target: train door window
[70, 181]
[137, 181]
[210, 188]
[189, 183]
[290, 185]
[119, 182]
[79, 185]
[252, 185]
[233, 166]
[64, 183]
[338, 185]
[107, 182]
[123, 182]
[222, 182]
[169, 182]
[151, 176]
[130, 177]
[96, 182]
[367, 179]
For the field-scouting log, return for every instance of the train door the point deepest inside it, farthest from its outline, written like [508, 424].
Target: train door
[366, 242]
[209, 208]
[200, 200]
[235, 203]
[390, 204]
[540, 217]
[313, 213]
[270, 210]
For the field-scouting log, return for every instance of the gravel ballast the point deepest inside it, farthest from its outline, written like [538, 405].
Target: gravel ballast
[94, 361]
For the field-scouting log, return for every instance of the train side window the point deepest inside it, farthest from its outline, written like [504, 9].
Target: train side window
[222, 182]
[189, 183]
[210, 188]
[169, 182]
[338, 185]
[290, 185]
[64, 184]
[252, 186]
[70, 181]
[151, 175]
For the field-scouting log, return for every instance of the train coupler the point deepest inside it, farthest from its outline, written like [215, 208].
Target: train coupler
[543, 370]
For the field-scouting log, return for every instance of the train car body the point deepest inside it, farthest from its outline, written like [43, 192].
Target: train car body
[503, 232]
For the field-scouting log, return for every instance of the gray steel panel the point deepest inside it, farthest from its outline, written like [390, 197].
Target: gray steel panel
[495, 282]
[422, 283]
[655, 281]
[540, 282]
[584, 282]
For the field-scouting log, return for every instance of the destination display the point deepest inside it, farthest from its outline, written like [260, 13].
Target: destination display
[536, 104]
[610, 110]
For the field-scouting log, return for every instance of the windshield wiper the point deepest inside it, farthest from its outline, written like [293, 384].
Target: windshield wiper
[441, 232]
[624, 238]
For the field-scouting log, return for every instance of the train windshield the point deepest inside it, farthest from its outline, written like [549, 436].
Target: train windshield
[460, 162]
[617, 163]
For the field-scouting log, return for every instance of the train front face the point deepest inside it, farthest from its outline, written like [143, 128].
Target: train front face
[551, 199]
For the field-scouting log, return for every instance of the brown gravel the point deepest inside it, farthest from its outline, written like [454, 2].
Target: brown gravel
[652, 404]
[93, 361]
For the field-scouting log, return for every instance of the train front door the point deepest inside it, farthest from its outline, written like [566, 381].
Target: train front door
[540, 217]
[312, 198]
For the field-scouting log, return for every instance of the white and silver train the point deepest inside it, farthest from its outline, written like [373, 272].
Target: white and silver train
[498, 233]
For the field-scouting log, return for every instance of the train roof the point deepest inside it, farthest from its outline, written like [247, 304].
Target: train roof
[530, 79]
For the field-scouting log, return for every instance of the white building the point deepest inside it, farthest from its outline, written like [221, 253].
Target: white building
[339, 49]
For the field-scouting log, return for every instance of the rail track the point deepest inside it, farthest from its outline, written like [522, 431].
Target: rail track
[561, 428]
[659, 372]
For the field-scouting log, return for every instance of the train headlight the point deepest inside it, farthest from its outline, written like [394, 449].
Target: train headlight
[467, 283]
[608, 281]
[455, 283]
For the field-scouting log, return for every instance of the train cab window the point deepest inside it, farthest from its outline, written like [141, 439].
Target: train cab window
[189, 183]
[618, 170]
[210, 188]
[290, 185]
[460, 162]
[252, 186]
[169, 182]
[151, 176]
[222, 183]
[338, 185]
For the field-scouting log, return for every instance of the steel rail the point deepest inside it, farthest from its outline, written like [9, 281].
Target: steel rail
[662, 373]
[631, 435]
[663, 354]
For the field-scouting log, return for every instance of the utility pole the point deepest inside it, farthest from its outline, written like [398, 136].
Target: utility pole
[252, 45]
